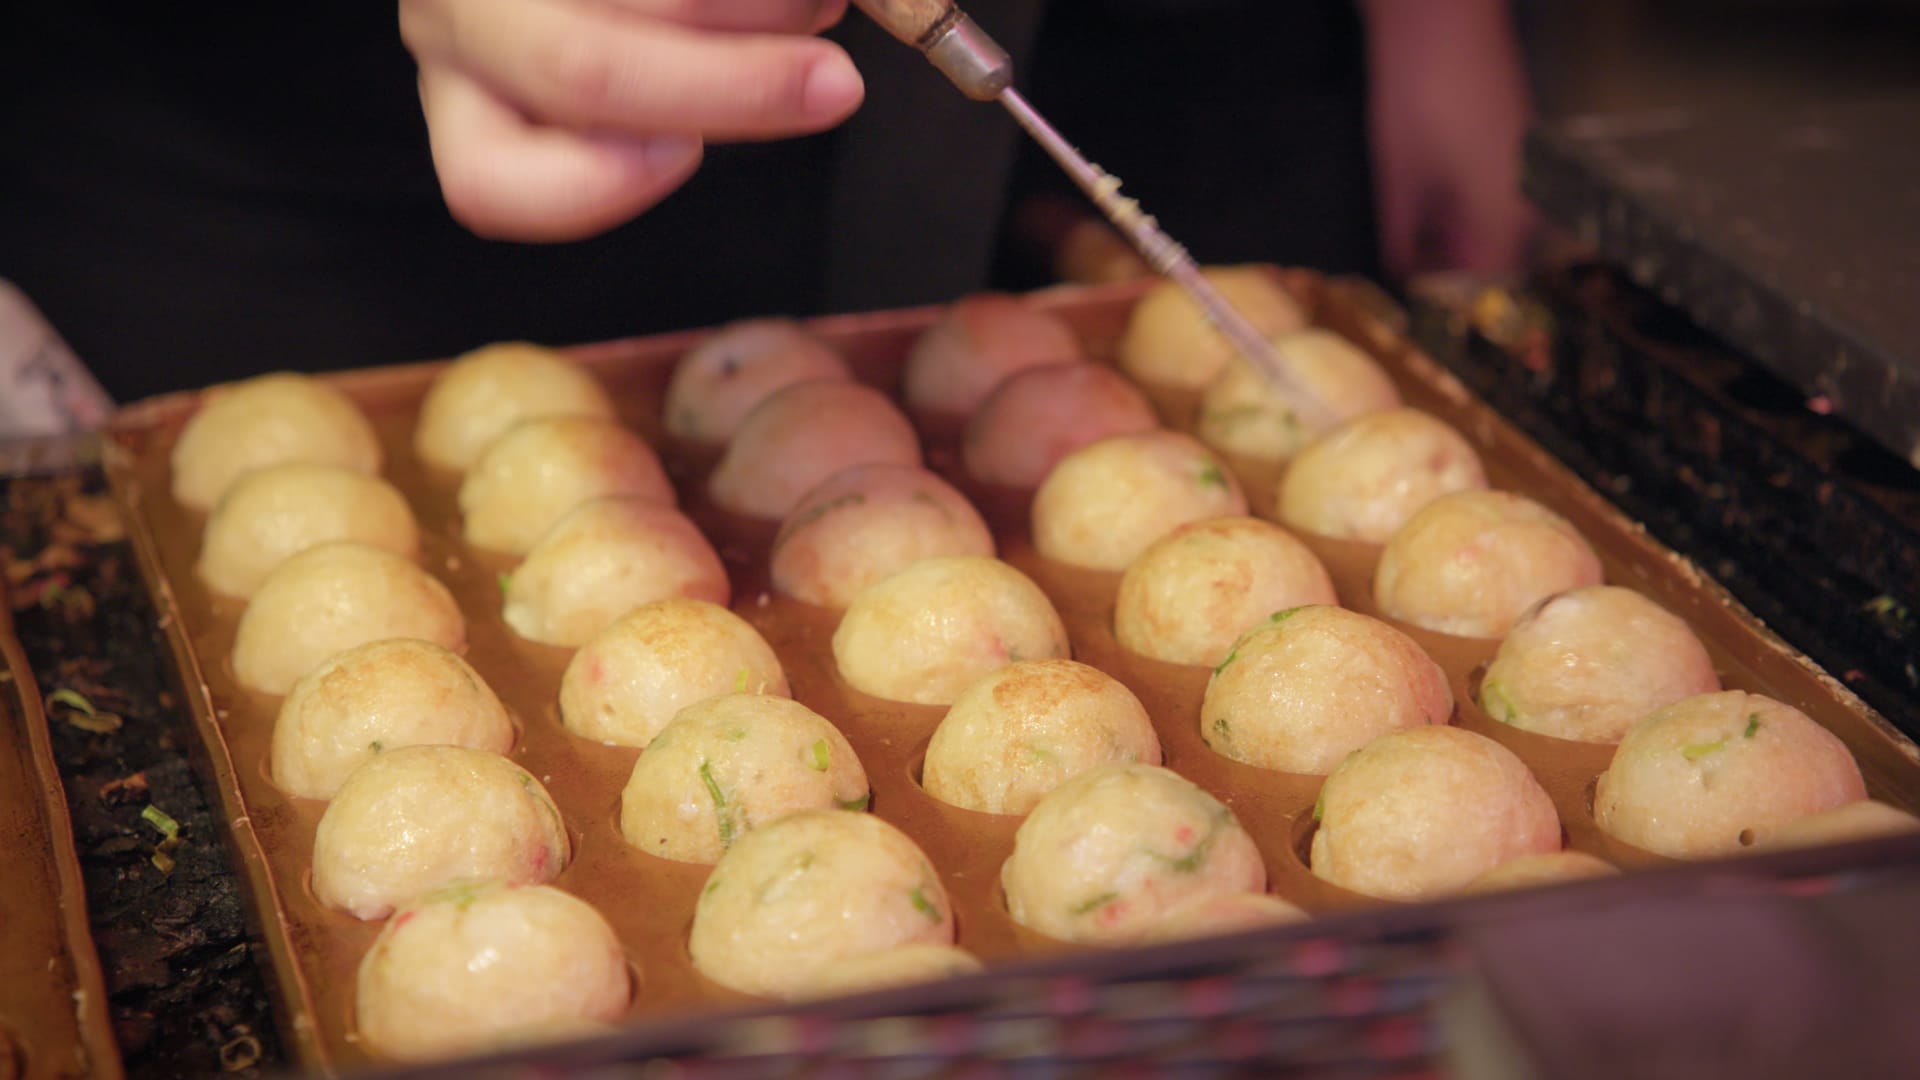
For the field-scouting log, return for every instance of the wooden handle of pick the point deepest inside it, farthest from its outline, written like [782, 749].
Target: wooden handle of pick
[915, 22]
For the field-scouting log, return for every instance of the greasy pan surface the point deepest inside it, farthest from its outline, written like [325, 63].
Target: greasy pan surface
[650, 901]
[53, 1001]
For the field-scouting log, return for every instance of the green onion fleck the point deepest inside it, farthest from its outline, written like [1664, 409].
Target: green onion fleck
[713, 883]
[162, 862]
[1495, 703]
[740, 682]
[860, 803]
[1753, 724]
[1284, 614]
[822, 756]
[1212, 476]
[1231, 657]
[1320, 804]
[720, 813]
[71, 699]
[1223, 730]
[161, 821]
[505, 581]
[1696, 751]
[923, 905]
[1087, 906]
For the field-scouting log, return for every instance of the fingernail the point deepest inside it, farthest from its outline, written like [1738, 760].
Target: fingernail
[833, 88]
[669, 153]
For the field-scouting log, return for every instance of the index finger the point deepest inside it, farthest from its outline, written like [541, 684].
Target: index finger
[595, 67]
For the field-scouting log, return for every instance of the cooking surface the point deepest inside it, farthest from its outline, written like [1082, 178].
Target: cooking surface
[1792, 235]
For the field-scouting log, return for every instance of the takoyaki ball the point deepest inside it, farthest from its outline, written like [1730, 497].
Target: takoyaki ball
[803, 434]
[718, 382]
[1243, 413]
[975, 344]
[483, 393]
[1590, 663]
[1191, 595]
[329, 598]
[902, 965]
[1866, 820]
[1365, 478]
[1224, 913]
[602, 560]
[1308, 686]
[1690, 779]
[282, 510]
[792, 902]
[421, 817]
[926, 633]
[1471, 563]
[268, 420]
[732, 764]
[1023, 730]
[539, 469]
[377, 697]
[1170, 342]
[1107, 502]
[1549, 868]
[1039, 416]
[1111, 853]
[1422, 812]
[869, 522]
[635, 676]
[476, 965]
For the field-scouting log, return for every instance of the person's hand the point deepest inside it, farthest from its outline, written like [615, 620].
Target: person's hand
[1449, 106]
[559, 119]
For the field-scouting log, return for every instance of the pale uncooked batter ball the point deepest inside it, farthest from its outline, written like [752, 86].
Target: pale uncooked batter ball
[1365, 478]
[1245, 414]
[421, 817]
[1113, 852]
[483, 964]
[887, 969]
[329, 598]
[1191, 595]
[1590, 663]
[1688, 780]
[975, 344]
[635, 676]
[1421, 812]
[483, 393]
[867, 523]
[732, 764]
[803, 434]
[1170, 342]
[1029, 727]
[377, 697]
[1471, 563]
[1039, 416]
[928, 631]
[605, 558]
[539, 469]
[282, 510]
[1107, 502]
[268, 420]
[1224, 913]
[1310, 685]
[1550, 868]
[792, 902]
[1856, 821]
[720, 380]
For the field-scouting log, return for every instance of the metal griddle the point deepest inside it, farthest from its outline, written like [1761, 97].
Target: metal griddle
[1794, 236]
